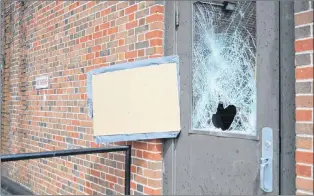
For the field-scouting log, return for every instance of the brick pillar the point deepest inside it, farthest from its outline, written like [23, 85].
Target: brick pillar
[304, 96]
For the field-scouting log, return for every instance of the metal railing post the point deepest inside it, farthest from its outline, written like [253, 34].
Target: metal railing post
[127, 180]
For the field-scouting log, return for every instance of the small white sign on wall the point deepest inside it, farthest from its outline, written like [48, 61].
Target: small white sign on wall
[42, 82]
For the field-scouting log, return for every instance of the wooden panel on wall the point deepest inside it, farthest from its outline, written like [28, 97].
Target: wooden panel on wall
[138, 100]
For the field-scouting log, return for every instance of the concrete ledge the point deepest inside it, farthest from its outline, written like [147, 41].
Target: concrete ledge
[14, 188]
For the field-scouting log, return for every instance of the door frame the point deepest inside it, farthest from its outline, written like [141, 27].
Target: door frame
[287, 163]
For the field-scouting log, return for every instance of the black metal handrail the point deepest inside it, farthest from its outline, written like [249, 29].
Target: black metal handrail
[60, 153]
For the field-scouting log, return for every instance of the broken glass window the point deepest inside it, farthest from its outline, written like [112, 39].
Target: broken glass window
[224, 62]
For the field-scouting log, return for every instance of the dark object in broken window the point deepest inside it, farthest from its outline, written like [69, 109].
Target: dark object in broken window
[224, 116]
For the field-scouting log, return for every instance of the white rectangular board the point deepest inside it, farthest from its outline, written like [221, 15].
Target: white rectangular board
[42, 82]
[137, 100]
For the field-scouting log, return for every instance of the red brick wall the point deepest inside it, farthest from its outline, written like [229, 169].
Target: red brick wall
[304, 96]
[66, 39]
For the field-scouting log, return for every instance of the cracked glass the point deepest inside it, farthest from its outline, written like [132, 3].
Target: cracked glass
[223, 67]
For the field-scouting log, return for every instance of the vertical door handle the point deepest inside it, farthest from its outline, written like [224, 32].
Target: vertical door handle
[266, 165]
[264, 171]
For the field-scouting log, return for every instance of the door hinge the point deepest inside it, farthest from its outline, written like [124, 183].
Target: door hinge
[177, 18]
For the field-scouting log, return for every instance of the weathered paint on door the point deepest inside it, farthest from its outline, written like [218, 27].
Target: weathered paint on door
[223, 162]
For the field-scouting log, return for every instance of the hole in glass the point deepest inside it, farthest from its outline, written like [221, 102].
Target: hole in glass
[224, 57]
[223, 118]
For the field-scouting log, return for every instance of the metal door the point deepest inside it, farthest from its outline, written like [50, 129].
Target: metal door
[221, 158]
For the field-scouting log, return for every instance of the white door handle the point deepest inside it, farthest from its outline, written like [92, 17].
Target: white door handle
[263, 169]
[266, 166]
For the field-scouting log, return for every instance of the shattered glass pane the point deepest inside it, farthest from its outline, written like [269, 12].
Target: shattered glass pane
[224, 62]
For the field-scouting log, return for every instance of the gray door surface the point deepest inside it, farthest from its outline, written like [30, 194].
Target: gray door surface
[229, 80]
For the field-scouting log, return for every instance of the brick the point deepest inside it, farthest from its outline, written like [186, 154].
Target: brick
[131, 25]
[158, 191]
[303, 32]
[154, 34]
[155, 42]
[121, 42]
[131, 9]
[302, 59]
[304, 45]
[141, 13]
[302, 128]
[303, 18]
[97, 35]
[303, 87]
[133, 169]
[96, 48]
[91, 4]
[112, 30]
[133, 185]
[304, 184]
[304, 143]
[132, 54]
[141, 21]
[157, 9]
[304, 157]
[304, 115]
[141, 45]
[122, 5]
[111, 178]
[104, 26]
[95, 173]
[140, 53]
[122, 20]
[131, 17]
[154, 51]
[140, 179]
[139, 162]
[152, 156]
[152, 174]
[140, 145]
[154, 183]
[304, 73]
[58, 138]
[141, 37]
[154, 18]
[156, 25]
[154, 165]
[141, 29]
[303, 170]
[105, 12]
[149, 191]
[304, 101]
